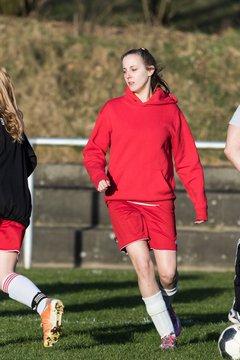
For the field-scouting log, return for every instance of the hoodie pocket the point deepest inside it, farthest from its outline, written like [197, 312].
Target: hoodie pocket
[139, 183]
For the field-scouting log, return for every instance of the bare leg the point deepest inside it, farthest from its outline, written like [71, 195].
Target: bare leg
[151, 294]
[19, 287]
[143, 265]
[8, 262]
[167, 267]
[23, 290]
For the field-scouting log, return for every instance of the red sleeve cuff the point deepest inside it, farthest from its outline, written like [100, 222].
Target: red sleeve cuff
[201, 214]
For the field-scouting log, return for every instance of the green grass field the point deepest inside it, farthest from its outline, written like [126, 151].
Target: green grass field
[106, 319]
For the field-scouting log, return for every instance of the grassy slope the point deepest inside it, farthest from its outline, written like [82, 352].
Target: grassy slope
[63, 79]
[106, 319]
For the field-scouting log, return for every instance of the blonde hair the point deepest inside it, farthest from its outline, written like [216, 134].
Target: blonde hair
[9, 111]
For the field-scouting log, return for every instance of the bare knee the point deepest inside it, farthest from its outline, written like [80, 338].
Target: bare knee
[144, 268]
[169, 278]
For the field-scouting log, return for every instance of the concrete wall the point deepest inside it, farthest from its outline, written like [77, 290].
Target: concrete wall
[72, 227]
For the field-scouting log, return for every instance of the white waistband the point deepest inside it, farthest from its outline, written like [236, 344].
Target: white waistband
[141, 203]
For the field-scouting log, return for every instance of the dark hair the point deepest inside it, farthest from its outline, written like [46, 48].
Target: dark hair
[148, 59]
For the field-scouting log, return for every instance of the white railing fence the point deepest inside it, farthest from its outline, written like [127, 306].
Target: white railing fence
[28, 239]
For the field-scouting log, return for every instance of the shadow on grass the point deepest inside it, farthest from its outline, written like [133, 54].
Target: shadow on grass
[191, 319]
[198, 294]
[119, 334]
[13, 313]
[188, 319]
[107, 285]
[102, 301]
[124, 302]
[190, 276]
[211, 336]
[124, 334]
[109, 335]
[114, 302]
[183, 296]
[19, 340]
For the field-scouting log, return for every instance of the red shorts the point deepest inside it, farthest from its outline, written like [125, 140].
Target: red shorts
[11, 235]
[133, 222]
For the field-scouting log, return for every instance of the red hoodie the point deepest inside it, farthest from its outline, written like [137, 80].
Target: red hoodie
[143, 138]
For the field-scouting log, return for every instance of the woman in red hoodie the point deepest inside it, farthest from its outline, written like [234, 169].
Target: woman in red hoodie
[144, 130]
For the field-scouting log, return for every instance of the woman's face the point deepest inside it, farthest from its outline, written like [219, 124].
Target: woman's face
[135, 73]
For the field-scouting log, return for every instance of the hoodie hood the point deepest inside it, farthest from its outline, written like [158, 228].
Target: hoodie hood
[159, 97]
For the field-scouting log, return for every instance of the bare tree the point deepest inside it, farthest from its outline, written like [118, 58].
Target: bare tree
[17, 7]
[79, 17]
[146, 12]
[93, 12]
[156, 12]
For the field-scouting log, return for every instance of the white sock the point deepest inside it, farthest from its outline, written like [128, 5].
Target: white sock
[156, 308]
[41, 306]
[23, 290]
[168, 295]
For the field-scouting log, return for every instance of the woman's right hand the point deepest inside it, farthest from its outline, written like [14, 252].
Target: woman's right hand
[103, 185]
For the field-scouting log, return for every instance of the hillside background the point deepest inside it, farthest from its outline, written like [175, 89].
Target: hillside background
[64, 58]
